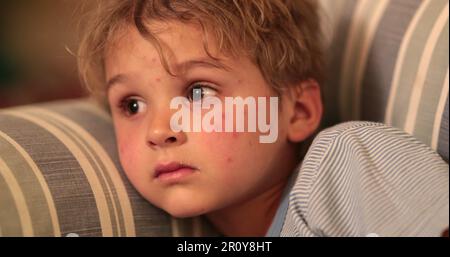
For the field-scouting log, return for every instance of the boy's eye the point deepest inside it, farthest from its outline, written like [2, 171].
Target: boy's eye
[200, 91]
[132, 106]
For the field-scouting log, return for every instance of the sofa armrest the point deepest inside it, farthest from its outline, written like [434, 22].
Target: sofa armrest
[60, 174]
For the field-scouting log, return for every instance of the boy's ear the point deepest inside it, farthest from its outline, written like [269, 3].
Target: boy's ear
[306, 110]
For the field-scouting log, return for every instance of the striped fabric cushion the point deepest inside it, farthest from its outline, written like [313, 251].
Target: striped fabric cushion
[388, 62]
[60, 175]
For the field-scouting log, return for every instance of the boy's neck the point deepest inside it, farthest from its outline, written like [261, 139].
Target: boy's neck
[251, 218]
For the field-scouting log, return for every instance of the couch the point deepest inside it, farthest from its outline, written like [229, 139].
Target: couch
[59, 169]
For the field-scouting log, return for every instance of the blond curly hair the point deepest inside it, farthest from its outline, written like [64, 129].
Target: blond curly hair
[281, 37]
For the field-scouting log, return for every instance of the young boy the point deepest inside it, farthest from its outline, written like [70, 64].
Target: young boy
[138, 56]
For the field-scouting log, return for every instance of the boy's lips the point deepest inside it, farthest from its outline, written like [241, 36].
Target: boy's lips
[171, 167]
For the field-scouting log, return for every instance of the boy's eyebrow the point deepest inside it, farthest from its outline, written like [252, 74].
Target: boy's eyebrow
[117, 79]
[184, 66]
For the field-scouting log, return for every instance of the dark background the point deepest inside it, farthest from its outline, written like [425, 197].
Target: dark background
[35, 65]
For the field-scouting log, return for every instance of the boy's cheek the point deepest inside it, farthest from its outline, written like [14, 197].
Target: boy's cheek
[123, 154]
[127, 154]
[226, 147]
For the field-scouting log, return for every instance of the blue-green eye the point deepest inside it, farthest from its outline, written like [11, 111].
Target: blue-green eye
[200, 91]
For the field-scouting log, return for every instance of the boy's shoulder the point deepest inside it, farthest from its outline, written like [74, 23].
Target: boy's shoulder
[359, 139]
[356, 142]
[355, 171]
[347, 132]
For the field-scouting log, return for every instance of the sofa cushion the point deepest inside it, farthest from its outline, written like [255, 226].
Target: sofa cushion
[60, 174]
[388, 62]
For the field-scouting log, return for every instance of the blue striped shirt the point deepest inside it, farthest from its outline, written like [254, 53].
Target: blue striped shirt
[363, 179]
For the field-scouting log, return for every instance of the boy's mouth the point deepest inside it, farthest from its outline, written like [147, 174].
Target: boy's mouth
[172, 170]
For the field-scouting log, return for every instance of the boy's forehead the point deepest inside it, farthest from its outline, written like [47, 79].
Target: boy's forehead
[182, 44]
[179, 42]
[175, 38]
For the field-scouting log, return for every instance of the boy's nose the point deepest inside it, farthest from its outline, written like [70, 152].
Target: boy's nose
[158, 138]
[161, 135]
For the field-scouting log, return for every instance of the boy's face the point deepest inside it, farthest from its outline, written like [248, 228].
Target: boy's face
[227, 168]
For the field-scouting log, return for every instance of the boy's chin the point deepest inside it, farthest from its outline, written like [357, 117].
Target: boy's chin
[184, 212]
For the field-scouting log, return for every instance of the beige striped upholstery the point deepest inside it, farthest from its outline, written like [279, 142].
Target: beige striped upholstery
[59, 170]
[388, 62]
[60, 174]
